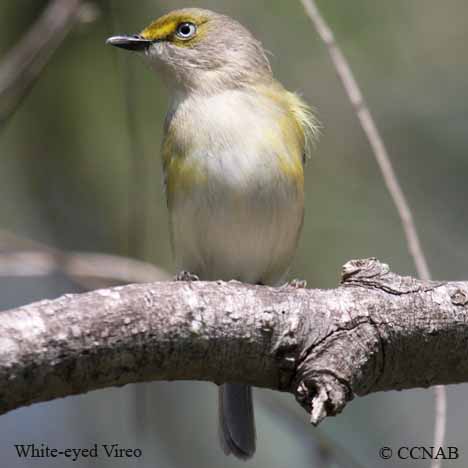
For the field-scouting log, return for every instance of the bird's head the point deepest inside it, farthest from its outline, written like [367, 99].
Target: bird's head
[200, 50]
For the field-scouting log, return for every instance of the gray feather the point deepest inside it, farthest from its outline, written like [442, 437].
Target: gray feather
[236, 420]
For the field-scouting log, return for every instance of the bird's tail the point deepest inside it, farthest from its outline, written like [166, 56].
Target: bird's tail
[236, 420]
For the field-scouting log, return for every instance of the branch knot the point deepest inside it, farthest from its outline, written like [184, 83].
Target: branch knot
[363, 269]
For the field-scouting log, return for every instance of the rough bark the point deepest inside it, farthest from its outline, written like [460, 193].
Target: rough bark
[376, 331]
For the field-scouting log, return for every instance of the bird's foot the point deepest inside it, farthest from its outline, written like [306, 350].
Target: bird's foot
[296, 284]
[186, 276]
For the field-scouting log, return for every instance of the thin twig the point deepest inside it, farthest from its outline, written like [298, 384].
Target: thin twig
[375, 140]
[440, 395]
[24, 63]
[380, 152]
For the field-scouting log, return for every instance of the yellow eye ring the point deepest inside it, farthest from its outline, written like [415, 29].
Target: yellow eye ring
[186, 31]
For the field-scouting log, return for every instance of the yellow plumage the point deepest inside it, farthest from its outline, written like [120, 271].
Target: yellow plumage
[293, 136]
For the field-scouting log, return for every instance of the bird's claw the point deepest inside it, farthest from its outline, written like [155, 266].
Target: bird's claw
[296, 284]
[186, 276]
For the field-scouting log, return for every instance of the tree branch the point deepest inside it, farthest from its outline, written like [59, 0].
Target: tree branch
[377, 331]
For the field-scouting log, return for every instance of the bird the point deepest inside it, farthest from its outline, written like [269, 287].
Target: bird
[233, 154]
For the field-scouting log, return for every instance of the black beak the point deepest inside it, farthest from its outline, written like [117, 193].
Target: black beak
[135, 42]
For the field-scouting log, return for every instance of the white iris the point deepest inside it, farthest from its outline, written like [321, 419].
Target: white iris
[186, 30]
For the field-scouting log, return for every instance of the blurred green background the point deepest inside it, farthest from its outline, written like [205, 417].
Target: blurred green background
[80, 170]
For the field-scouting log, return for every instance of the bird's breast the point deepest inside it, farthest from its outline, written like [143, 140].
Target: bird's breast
[235, 190]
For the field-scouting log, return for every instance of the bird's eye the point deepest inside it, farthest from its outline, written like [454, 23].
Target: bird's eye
[186, 30]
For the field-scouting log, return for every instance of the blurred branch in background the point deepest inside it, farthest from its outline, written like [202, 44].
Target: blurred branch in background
[21, 257]
[373, 136]
[391, 180]
[22, 66]
[139, 198]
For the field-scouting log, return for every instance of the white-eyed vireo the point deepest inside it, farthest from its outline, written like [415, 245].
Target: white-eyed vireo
[235, 142]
